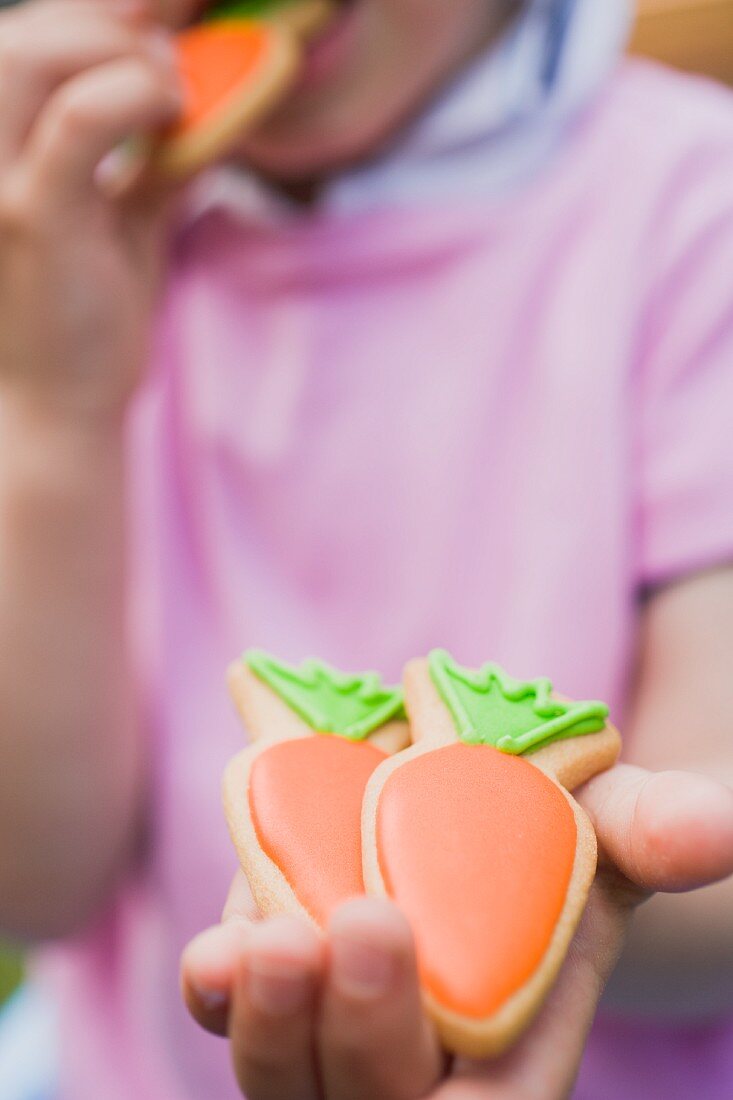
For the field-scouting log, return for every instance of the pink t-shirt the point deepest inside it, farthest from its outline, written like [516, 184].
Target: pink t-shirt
[483, 425]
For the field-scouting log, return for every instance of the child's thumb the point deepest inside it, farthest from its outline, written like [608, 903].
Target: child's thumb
[670, 831]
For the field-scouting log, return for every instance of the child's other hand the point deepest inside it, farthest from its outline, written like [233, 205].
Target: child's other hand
[78, 268]
[340, 1018]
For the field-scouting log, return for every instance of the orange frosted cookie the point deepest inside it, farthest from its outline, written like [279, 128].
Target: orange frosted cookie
[473, 833]
[293, 799]
[235, 67]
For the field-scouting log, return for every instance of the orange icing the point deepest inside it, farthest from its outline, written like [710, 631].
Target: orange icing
[215, 62]
[477, 848]
[305, 800]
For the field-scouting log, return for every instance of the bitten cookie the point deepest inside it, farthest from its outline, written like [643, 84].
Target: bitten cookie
[473, 833]
[293, 799]
[236, 66]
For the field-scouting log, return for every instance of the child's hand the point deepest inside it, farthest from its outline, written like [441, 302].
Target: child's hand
[78, 269]
[340, 1018]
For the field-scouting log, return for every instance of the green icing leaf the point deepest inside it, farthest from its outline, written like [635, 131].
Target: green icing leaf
[242, 9]
[352, 706]
[490, 708]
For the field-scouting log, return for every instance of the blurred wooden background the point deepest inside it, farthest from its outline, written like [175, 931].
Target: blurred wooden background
[691, 34]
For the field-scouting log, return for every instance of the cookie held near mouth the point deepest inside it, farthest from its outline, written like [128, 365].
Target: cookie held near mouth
[235, 66]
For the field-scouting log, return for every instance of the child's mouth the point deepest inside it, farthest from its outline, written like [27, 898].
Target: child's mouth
[331, 49]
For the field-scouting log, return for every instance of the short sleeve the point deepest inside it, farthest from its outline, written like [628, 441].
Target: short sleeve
[685, 387]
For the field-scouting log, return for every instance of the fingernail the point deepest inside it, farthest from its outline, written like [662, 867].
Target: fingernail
[276, 991]
[361, 969]
[211, 999]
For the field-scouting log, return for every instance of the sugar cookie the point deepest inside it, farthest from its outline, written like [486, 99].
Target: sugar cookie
[293, 799]
[235, 67]
[473, 833]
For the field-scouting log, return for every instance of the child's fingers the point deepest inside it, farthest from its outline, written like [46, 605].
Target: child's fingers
[209, 962]
[208, 968]
[374, 1040]
[272, 1014]
[89, 116]
[669, 831]
[167, 13]
[45, 45]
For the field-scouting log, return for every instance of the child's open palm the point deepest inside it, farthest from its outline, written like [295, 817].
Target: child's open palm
[340, 1018]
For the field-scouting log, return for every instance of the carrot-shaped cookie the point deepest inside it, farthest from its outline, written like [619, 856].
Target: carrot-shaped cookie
[473, 833]
[235, 67]
[293, 799]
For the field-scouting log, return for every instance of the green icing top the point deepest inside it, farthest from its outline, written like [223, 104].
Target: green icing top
[352, 706]
[242, 9]
[490, 708]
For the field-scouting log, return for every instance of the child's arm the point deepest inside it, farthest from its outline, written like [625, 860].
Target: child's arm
[680, 953]
[77, 280]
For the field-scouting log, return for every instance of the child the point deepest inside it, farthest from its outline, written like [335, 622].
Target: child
[472, 390]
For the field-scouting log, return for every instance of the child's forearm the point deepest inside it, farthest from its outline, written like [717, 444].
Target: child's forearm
[69, 753]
